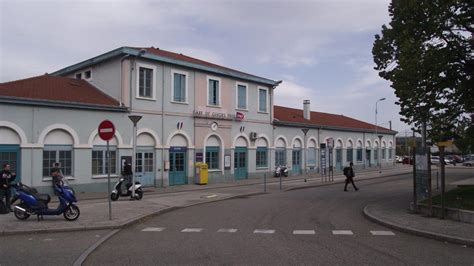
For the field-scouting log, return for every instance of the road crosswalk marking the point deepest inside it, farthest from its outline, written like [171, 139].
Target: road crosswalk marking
[263, 231]
[192, 230]
[382, 233]
[153, 229]
[342, 232]
[304, 232]
[224, 230]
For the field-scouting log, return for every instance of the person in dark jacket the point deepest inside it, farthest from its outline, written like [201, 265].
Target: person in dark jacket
[349, 173]
[6, 179]
[127, 175]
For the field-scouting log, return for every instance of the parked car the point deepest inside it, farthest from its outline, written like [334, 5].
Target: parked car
[407, 160]
[468, 163]
[398, 159]
[435, 160]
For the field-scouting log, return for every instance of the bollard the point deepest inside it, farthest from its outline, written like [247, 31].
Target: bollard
[264, 182]
[280, 181]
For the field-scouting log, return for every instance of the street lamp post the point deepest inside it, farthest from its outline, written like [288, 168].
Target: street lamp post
[305, 151]
[376, 127]
[134, 119]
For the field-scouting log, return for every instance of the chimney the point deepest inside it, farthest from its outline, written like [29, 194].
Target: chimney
[306, 110]
[390, 122]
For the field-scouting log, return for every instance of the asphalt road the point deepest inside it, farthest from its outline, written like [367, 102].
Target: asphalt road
[321, 209]
[225, 232]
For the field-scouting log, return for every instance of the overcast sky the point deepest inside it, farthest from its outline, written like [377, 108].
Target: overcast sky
[320, 49]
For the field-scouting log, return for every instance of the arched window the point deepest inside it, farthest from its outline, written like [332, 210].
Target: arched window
[58, 149]
[262, 153]
[359, 151]
[280, 152]
[349, 151]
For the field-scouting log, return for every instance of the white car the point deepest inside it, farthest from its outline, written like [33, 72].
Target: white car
[468, 163]
[435, 160]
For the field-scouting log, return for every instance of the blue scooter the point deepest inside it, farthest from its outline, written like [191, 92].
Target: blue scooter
[34, 203]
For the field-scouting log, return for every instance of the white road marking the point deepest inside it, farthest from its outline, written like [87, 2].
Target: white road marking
[192, 230]
[153, 229]
[211, 196]
[304, 232]
[263, 231]
[382, 233]
[342, 232]
[48, 239]
[230, 230]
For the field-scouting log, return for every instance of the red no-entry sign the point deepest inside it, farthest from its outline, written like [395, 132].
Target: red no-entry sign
[106, 130]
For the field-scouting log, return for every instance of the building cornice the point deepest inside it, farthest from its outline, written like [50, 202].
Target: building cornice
[150, 56]
[60, 104]
[314, 126]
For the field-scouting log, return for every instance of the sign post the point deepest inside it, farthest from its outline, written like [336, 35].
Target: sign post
[107, 132]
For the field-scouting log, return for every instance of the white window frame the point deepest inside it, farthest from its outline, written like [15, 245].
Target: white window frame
[207, 91]
[154, 79]
[186, 74]
[237, 96]
[84, 74]
[104, 150]
[57, 148]
[258, 99]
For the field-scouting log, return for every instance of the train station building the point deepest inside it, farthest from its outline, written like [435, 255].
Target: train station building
[192, 111]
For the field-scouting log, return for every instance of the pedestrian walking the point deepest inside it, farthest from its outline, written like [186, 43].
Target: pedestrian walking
[349, 173]
[6, 179]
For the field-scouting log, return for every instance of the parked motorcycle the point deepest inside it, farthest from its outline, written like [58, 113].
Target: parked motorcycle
[281, 170]
[34, 203]
[118, 190]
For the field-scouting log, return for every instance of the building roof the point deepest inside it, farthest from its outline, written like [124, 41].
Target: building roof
[156, 54]
[56, 89]
[292, 116]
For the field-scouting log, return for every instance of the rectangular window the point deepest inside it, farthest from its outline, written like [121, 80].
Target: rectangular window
[148, 162]
[212, 158]
[179, 87]
[79, 76]
[280, 157]
[145, 82]
[139, 163]
[88, 74]
[311, 156]
[350, 154]
[57, 154]
[262, 157]
[390, 153]
[376, 153]
[383, 153]
[262, 100]
[296, 157]
[241, 96]
[359, 154]
[214, 91]
[100, 162]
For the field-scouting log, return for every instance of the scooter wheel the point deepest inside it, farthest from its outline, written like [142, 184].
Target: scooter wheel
[139, 194]
[114, 196]
[71, 213]
[21, 215]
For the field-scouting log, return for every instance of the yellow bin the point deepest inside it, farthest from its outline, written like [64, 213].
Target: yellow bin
[202, 175]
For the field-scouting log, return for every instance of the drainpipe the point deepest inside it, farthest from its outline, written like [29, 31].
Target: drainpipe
[163, 127]
[364, 149]
[121, 77]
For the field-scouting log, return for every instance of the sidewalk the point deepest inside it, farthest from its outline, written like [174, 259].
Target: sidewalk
[395, 215]
[94, 206]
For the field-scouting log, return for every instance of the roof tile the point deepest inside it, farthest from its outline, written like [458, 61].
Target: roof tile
[56, 88]
[286, 114]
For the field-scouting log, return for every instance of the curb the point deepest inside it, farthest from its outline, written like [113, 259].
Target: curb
[417, 232]
[341, 182]
[130, 222]
[231, 185]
